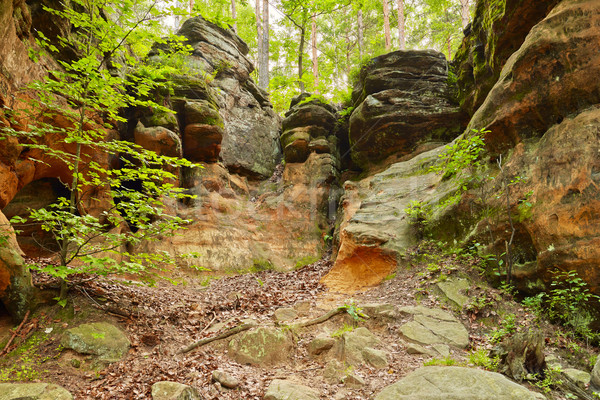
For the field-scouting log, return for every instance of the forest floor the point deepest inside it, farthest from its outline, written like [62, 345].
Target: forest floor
[162, 320]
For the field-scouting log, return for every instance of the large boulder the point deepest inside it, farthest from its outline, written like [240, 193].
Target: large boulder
[402, 99]
[166, 390]
[261, 346]
[33, 391]
[308, 128]
[374, 229]
[102, 339]
[280, 389]
[455, 383]
[433, 326]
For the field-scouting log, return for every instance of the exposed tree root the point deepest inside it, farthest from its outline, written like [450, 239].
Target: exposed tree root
[245, 327]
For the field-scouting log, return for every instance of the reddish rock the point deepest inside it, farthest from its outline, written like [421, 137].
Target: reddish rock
[202, 142]
[160, 140]
[498, 29]
[553, 75]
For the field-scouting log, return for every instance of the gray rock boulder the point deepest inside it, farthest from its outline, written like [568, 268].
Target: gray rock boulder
[285, 390]
[33, 391]
[261, 346]
[455, 383]
[174, 391]
[102, 339]
[433, 326]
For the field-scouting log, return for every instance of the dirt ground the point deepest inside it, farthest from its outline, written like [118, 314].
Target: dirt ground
[161, 320]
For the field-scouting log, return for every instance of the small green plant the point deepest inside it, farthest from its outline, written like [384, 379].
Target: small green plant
[389, 277]
[355, 312]
[260, 282]
[569, 302]
[342, 330]
[552, 379]
[462, 154]
[418, 213]
[508, 326]
[304, 261]
[446, 361]
[481, 358]
[261, 264]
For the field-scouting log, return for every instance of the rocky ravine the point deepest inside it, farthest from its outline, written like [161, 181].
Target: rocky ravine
[536, 92]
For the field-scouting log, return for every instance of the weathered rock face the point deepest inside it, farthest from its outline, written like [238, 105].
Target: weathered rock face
[543, 112]
[498, 29]
[308, 128]
[550, 77]
[373, 228]
[230, 116]
[240, 223]
[402, 100]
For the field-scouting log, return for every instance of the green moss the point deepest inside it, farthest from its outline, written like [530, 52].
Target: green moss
[261, 264]
[304, 261]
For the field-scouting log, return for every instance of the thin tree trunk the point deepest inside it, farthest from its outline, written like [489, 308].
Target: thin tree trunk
[258, 35]
[264, 71]
[449, 42]
[401, 27]
[361, 29]
[191, 2]
[300, 53]
[386, 25]
[464, 13]
[315, 60]
[234, 16]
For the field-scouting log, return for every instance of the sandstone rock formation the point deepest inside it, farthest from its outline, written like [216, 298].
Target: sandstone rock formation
[497, 31]
[402, 99]
[250, 131]
[543, 117]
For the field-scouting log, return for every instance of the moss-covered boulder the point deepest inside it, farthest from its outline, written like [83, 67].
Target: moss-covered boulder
[102, 339]
[33, 391]
[261, 346]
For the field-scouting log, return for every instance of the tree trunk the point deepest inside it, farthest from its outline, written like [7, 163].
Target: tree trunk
[361, 30]
[300, 53]
[401, 28]
[263, 71]
[258, 35]
[464, 13]
[386, 25]
[315, 60]
[234, 16]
